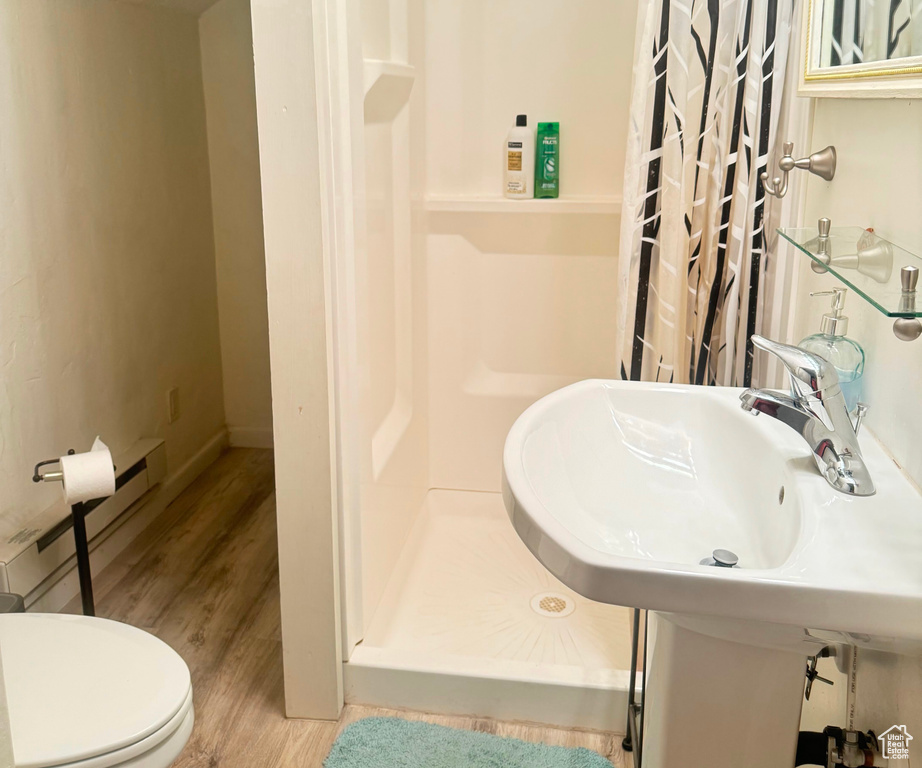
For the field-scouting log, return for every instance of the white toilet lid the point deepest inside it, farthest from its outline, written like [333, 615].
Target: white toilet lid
[80, 687]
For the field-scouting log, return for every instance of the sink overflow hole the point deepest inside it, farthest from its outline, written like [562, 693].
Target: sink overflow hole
[781, 495]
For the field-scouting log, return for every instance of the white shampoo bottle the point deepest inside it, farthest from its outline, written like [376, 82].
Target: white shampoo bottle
[519, 168]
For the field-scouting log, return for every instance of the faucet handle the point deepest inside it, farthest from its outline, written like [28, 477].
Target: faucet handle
[860, 413]
[808, 373]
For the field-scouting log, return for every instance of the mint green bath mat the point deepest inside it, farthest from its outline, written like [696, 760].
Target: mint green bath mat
[387, 742]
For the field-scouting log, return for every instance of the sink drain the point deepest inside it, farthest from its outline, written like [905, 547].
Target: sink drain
[554, 605]
[722, 558]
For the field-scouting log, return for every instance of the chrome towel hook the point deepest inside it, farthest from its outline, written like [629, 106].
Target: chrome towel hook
[822, 164]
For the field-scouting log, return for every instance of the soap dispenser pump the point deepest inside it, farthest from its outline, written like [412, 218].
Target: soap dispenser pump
[845, 354]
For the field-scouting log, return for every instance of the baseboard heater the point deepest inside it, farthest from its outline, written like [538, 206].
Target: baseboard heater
[36, 550]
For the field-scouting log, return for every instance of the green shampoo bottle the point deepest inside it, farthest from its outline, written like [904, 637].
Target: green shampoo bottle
[547, 162]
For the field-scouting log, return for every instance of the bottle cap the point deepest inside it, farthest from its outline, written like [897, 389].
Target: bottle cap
[834, 322]
[521, 121]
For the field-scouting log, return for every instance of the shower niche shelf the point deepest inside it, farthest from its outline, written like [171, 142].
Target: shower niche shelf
[604, 204]
[377, 70]
[388, 85]
[882, 273]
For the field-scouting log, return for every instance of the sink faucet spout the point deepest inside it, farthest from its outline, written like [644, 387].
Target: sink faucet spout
[777, 405]
[816, 410]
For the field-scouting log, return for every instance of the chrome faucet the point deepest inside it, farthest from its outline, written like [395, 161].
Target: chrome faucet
[816, 410]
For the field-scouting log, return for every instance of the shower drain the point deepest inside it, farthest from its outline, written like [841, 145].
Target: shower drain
[553, 605]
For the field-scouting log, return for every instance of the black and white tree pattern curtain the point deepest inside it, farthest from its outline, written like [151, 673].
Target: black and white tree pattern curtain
[706, 101]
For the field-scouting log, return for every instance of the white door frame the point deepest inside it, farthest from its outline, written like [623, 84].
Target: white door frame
[293, 97]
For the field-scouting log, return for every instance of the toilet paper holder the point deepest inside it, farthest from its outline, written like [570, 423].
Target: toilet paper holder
[78, 511]
[38, 477]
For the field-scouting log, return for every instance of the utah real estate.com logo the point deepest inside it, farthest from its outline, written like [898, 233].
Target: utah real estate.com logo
[894, 743]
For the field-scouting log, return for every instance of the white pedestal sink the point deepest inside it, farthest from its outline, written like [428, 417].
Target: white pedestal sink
[622, 489]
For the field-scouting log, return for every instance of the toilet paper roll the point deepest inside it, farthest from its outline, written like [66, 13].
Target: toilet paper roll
[88, 476]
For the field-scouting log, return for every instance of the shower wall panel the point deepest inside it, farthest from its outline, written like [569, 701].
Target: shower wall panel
[519, 305]
[392, 365]
[487, 61]
[521, 295]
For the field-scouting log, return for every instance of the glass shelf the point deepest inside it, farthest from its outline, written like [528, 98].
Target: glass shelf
[866, 263]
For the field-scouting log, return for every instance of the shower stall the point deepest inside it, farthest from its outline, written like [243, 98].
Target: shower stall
[453, 310]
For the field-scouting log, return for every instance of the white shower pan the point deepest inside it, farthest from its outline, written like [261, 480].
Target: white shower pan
[472, 623]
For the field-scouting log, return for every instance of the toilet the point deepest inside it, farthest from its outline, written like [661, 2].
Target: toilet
[86, 692]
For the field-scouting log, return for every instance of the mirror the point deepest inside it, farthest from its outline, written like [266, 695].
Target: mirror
[863, 47]
[867, 31]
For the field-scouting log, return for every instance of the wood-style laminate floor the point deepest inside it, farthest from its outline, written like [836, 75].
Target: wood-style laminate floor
[205, 580]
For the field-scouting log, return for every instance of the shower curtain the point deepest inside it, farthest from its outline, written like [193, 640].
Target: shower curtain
[708, 77]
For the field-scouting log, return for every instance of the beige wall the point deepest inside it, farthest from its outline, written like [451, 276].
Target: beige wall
[230, 100]
[878, 184]
[107, 277]
[6, 740]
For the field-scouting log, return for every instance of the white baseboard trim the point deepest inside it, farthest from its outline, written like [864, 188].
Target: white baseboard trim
[250, 437]
[63, 585]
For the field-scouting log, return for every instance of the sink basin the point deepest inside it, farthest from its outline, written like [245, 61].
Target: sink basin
[632, 472]
[621, 489]
[624, 489]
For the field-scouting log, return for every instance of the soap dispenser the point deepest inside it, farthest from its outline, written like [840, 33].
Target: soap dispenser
[831, 343]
